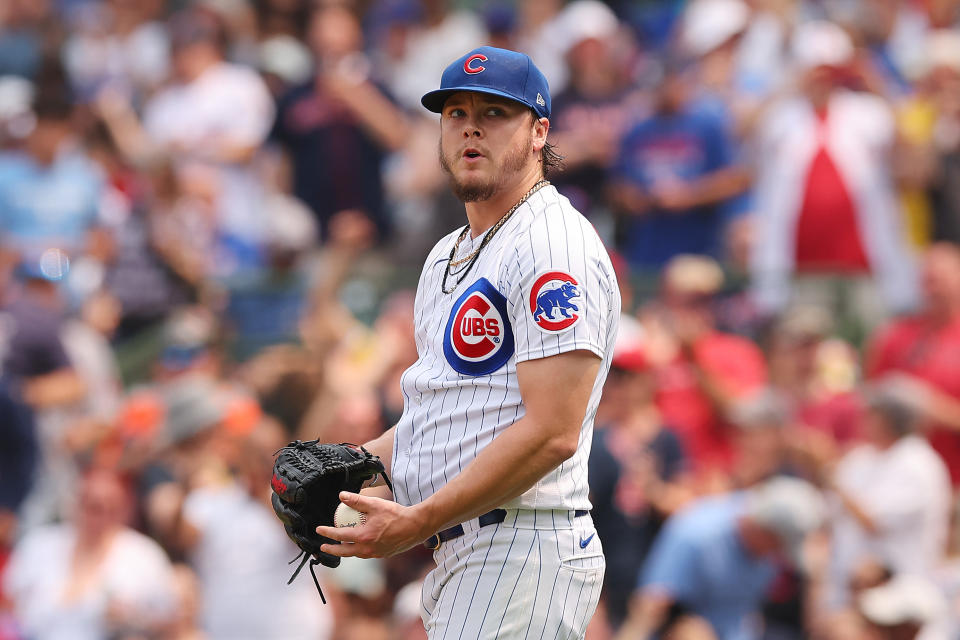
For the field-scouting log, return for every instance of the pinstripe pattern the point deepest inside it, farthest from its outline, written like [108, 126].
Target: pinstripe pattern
[442, 413]
[512, 575]
[526, 577]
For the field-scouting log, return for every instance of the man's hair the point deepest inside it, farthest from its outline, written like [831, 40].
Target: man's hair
[549, 157]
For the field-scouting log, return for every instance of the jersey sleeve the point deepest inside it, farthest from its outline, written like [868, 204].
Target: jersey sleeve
[560, 291]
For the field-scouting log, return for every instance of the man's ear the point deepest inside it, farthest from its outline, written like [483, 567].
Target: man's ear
[541, 126]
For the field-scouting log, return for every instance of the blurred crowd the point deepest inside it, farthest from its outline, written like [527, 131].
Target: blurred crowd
[213, 214]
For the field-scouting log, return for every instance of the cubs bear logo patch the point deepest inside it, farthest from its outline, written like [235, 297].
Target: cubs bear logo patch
[478, 338]
[555, 301]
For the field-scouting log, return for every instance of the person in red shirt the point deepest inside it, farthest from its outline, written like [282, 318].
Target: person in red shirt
[700, 371]
[815, 375]
[923, 352]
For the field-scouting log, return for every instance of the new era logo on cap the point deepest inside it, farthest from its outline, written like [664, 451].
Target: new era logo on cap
[498, 72]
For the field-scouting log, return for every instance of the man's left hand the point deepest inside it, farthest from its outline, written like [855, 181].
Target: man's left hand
[390, 529]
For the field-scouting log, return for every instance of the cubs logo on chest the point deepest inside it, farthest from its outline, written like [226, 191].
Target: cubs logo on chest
[478, 338]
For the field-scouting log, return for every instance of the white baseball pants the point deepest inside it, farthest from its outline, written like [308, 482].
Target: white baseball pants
[535, 576]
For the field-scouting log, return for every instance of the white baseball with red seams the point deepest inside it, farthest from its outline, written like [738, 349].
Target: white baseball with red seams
[347, 516]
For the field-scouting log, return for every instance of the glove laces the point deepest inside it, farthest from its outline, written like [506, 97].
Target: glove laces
[313, 562]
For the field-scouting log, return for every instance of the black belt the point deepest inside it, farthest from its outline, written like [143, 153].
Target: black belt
[490, 517]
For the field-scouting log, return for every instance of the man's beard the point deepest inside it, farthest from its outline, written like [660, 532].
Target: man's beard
[513, 161]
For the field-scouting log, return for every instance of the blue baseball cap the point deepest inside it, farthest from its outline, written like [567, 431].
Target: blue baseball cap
[499, 72]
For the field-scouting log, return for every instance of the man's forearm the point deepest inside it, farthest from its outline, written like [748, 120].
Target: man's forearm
[512, 463]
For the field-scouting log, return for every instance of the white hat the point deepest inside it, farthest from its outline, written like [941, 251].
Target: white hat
[904, 599]
[707, 24]
[821, 43]
[289, 223]
[693, 274]
[587, 19]
[788, 507]
[287, 57]
[16, 95]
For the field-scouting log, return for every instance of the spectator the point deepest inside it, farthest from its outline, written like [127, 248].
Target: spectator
[700, 371]
[895, 497]
[442, 34]
[223, 524]
[713, 34]
[760, 426]
[914, 164]
[24, 27]
[93, 577]
[196, 122]
[19, 455]
[50, 192]
[823, 405]
[945, 79]
[42, 377]
[339, 126]
[119, 43]
[591, 115]
[265, 308]
[542, 32]
[672, 176]
[923, 347]
[636, 475]
[825, 205]
[716, 559]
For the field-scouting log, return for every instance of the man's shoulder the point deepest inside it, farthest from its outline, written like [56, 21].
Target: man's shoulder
[707, 518]
[552, 220]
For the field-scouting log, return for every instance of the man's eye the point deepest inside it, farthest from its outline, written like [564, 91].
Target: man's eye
[455, 113]
[494, 111]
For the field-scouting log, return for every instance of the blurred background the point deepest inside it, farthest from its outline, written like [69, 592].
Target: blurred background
[212, 219]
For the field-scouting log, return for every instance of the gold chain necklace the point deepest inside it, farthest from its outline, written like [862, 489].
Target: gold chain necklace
[486, 238]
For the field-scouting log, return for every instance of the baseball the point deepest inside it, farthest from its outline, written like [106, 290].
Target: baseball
[346, 516]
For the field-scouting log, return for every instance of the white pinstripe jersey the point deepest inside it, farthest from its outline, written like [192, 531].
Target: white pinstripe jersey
[544, 285]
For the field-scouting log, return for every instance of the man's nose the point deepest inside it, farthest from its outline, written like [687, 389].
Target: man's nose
[471, 129]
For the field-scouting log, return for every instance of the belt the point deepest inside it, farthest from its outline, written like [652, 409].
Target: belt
[490, 517]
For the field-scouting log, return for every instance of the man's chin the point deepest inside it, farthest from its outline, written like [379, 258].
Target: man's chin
[472, 190]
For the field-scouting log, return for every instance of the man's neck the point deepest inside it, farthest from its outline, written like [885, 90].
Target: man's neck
[483, 214]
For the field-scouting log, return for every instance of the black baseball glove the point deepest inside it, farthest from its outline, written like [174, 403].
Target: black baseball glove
[307, 480]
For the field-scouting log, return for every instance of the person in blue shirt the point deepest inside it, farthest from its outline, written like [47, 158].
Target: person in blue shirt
[674, 173]
[50, 191]
[718, 558]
